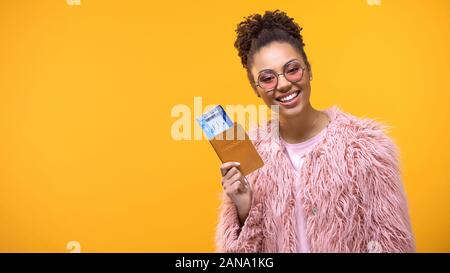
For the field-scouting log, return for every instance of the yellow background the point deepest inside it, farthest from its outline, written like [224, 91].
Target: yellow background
[86, 94]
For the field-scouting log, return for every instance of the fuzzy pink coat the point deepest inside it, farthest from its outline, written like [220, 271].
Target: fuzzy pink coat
[351, 192]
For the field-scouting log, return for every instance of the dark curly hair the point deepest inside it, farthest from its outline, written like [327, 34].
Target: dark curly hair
[257, 30]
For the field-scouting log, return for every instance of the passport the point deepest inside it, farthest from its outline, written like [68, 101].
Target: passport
[229, 140]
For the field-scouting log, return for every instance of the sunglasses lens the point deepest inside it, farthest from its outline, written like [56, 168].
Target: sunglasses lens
[267, 80]
[293, 72]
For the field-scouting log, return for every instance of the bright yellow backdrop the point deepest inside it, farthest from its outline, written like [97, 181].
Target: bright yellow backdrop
[86, 94]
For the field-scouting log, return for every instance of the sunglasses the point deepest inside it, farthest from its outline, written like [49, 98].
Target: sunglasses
[292, 71]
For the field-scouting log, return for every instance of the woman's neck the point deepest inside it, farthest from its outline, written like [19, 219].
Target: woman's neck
[304, 126]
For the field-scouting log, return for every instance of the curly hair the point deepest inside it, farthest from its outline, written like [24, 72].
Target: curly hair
[257, 30]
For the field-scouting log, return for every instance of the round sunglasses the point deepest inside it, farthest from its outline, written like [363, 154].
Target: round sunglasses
[292, 71]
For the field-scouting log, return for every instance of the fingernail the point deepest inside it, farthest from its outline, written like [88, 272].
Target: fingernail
[237, 163]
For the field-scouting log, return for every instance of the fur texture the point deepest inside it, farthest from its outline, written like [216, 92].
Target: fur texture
[351, 192]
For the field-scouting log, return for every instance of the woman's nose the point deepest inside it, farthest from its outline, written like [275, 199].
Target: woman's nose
[283, 84]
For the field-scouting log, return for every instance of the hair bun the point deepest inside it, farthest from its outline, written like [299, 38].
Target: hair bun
[254, 24]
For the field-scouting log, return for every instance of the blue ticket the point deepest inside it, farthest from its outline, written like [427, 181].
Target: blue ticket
[214, 122]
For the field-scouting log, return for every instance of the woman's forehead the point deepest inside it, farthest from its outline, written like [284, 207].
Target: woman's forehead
[274, 56]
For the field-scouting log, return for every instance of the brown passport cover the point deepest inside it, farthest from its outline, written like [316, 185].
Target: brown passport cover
[235, 145]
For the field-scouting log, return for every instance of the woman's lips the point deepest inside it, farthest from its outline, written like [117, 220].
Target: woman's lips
[290, 100]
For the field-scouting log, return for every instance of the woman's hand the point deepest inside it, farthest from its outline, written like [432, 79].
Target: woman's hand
[237, 188]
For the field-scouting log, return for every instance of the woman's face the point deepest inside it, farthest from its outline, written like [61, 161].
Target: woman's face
[291, 97]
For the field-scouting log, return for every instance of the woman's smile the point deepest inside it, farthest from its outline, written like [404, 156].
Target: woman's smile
[289, 100]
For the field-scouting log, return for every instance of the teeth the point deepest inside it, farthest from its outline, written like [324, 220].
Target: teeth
[288, 98]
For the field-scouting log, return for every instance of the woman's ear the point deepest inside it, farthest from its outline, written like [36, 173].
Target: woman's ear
[255, 89]
[308, 67]
[257, 92]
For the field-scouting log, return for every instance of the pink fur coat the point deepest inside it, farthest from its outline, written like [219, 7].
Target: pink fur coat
[351, 191]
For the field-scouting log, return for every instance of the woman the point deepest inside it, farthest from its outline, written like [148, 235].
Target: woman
[331, 181]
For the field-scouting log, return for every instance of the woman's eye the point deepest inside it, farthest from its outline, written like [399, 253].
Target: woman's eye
[293, 70]
[267, 79]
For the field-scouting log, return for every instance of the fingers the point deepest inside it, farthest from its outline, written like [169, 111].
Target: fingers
[225, 167]
[236, 181]
[232, 176]
[235, 178]
[235, 186]
[246, 184]
[231, 172]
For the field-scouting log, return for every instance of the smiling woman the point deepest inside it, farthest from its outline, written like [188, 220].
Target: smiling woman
[100, 150]
[331, 181]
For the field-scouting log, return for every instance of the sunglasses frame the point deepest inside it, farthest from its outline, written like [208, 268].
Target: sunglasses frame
[277, 75]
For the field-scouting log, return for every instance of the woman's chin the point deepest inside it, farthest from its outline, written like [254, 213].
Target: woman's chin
[291, 112]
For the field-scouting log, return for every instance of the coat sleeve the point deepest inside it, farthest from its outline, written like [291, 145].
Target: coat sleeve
[388, 227]
[230, 235]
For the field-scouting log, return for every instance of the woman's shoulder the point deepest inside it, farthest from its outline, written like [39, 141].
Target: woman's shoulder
[365, 135]
[356, 127]
[344, 130]
[341, 124]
